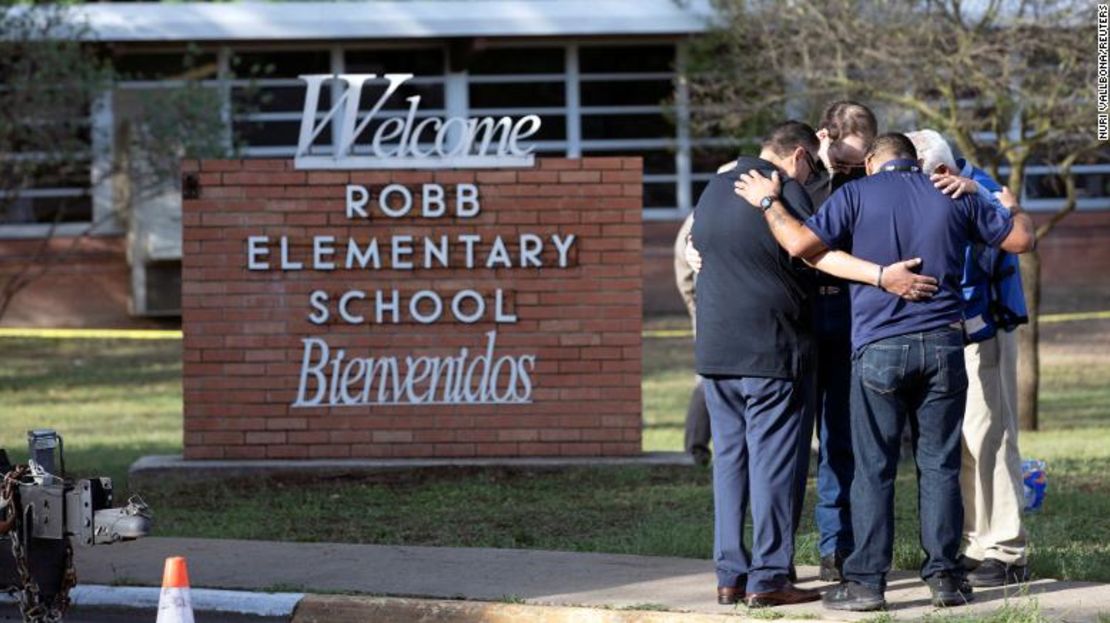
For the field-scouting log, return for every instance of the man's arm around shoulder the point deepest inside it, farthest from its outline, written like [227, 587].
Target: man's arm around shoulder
[793, 236]
[1023, 236]
[801, 242]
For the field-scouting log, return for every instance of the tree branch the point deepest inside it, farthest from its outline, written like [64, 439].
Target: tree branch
[1071, 196]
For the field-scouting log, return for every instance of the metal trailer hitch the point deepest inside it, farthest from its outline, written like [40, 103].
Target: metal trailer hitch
[43, 513]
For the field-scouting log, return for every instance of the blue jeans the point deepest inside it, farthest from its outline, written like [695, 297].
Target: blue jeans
[919, 377]
[835, 464]
[756, 427]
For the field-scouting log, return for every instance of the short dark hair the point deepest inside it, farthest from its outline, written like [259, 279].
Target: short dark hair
[788, 136]
[845, 117]
[893, 145]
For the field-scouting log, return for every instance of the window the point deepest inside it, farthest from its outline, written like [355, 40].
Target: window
[1043, 187]
[420, 62]
[508, 60]
[45, 173]
[514, 81]
[191, 64]
[627, 96]
[268, 98]
[56, 198]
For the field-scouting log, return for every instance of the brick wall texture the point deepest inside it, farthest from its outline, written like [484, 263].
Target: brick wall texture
[243, 329]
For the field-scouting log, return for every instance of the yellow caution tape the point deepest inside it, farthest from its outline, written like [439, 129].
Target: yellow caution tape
[170, 334]
[687, 333]
[1098, 315]
[91, 334]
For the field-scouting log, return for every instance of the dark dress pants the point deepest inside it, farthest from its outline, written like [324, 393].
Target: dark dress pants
[757, 426]
[834, 433]
[697, 423]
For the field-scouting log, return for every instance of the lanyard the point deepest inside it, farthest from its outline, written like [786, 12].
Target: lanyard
[902, 167]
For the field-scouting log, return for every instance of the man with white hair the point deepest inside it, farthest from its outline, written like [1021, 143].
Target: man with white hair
[908, 367]
[990, 479]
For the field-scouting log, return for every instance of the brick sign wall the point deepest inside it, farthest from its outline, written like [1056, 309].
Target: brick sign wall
[320, 319]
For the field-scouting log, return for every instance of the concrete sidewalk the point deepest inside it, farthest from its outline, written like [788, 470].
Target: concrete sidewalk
[516, 576]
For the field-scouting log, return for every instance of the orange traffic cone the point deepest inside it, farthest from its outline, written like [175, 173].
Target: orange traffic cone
[174, 604]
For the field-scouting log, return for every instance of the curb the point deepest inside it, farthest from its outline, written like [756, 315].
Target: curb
[349, 609]
[175, 466]
[203, 599]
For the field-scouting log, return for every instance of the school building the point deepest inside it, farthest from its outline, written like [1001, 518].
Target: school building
[604, 76]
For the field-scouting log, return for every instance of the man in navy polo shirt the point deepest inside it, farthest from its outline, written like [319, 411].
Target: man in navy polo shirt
[754, 348]
[908, 359]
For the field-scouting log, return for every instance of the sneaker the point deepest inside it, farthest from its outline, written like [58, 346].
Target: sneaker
[832, 568]
[948, 591]
[854, 596]
[993, 572]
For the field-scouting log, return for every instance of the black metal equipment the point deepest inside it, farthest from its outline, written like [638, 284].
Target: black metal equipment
[42, 514]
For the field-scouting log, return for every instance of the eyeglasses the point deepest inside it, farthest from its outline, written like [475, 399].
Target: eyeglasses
[814, 168]
[849, 167]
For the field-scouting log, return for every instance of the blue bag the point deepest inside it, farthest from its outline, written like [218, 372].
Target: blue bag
[1036, 484]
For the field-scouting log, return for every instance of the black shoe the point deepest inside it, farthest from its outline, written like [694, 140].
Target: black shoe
[968, 564]
[832, 568]
[994, 572]
[854, 596]
[786, 595]
[701, 457]
[949, 591]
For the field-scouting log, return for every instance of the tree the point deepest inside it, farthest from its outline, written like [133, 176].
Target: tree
[1003, 79]
[53, 76]
[49, 86]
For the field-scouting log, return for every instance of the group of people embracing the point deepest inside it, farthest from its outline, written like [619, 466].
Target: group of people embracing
[865, 283]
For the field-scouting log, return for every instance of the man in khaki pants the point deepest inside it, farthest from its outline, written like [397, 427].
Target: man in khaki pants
[990, 477]
[697, 436]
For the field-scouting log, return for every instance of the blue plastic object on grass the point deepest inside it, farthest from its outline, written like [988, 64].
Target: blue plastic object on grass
[1036, 484]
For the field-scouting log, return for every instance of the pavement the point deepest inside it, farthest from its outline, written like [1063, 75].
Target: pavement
[350, 582]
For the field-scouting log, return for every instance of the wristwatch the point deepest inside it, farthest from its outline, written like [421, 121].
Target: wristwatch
[767, 202]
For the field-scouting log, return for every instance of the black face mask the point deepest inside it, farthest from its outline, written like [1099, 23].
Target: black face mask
[818, 187]
[839, 179]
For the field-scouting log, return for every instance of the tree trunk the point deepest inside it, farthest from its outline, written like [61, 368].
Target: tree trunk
[1029, 371]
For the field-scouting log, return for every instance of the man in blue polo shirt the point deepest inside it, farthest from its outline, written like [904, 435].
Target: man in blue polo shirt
[754, 348]
[908, 359]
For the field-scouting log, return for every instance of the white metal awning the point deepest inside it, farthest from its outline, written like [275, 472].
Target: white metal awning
[390, 19]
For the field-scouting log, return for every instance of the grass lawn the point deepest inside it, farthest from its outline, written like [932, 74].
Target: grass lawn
[117, 400]
[112, 401]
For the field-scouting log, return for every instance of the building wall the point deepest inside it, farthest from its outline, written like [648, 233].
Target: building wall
[243, 349]
[604, 96]
[1074, 262]
[75, 282]
[91, 287]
